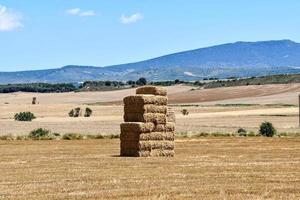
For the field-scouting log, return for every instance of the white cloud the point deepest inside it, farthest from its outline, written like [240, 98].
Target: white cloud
[87, 13]
[79, 12]
[131, 19]
[9, 20]
[73, 11]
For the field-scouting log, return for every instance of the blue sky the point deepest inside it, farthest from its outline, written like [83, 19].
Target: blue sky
[53, 33]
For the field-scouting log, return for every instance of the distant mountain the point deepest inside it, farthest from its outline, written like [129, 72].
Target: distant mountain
[240, 59]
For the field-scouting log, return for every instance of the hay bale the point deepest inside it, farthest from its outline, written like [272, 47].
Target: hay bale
[156, 153]
[168, 127]
[147, 145]
[156, 118]
[128, 136]
[159, 152]
[145, 99]
[152, 90]
[163, 145]
[137, 127]
[148, 108]
[157, 136]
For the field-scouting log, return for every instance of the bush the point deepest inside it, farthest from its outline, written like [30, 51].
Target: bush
[267, 129]
[24, 116]
[40, 134]
[242, 132]
[74, 112]
[88, 112]
[185, 112]
[71, 113]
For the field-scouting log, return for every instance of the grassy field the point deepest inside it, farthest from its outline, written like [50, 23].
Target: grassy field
[208, 168]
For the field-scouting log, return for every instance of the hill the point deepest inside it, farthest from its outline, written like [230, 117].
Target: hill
[240, 59]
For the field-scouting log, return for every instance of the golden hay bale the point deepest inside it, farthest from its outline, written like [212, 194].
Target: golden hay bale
[145, 99]
[163, 145]
[137, 127]
[156, 136]
[159, 152]
[156, 118]
[168, 127]
[147, 108]
[147, 145]
[156, 153]
[152, 90]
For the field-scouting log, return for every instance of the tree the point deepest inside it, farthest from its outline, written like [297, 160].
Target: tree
[267, 129]
[141, 81]
[88, 112]
[177, 81]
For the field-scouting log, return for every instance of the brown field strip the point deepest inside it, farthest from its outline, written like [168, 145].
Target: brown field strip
[208, 168]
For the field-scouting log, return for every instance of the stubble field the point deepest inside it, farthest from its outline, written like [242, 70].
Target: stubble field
[203, 168]
[208, 168]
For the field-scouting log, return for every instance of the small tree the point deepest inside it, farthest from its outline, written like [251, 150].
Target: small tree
[241, 130]
[71, 113]
[267, 129]
[141, 81]
[33, 100]
[76, 112]
[24, 116]
[185, 112]
[88, 112]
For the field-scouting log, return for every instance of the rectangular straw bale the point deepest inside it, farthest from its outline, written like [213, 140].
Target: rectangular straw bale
[156, 118]
[154, 153]
[168, 127]
[149, 145]
[156, 136]
[159, 152]
[136, 136]
[147, 108]
[137, 127]
[130, 152]
[152, 90]
[145, 99]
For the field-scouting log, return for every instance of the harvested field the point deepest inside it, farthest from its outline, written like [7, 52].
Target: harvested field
[210, 168]
[205, 113]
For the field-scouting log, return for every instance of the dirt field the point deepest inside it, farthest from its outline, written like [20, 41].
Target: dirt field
[210, 168]
[206, 113]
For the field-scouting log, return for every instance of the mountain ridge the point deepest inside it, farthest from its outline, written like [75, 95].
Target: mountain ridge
[240, 59]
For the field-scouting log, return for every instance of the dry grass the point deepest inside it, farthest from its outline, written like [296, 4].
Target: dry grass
[107, 119]
[210, 168]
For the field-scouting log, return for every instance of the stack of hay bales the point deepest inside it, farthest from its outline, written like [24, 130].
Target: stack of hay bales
[149, 128]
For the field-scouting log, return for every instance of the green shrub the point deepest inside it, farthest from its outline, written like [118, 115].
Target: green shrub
[267, 129]
[88, 112]
[184, 111]
[72, 136]
[40, 134]
[24, 116]
[71, 113]
[242, 132]
[74, 112]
